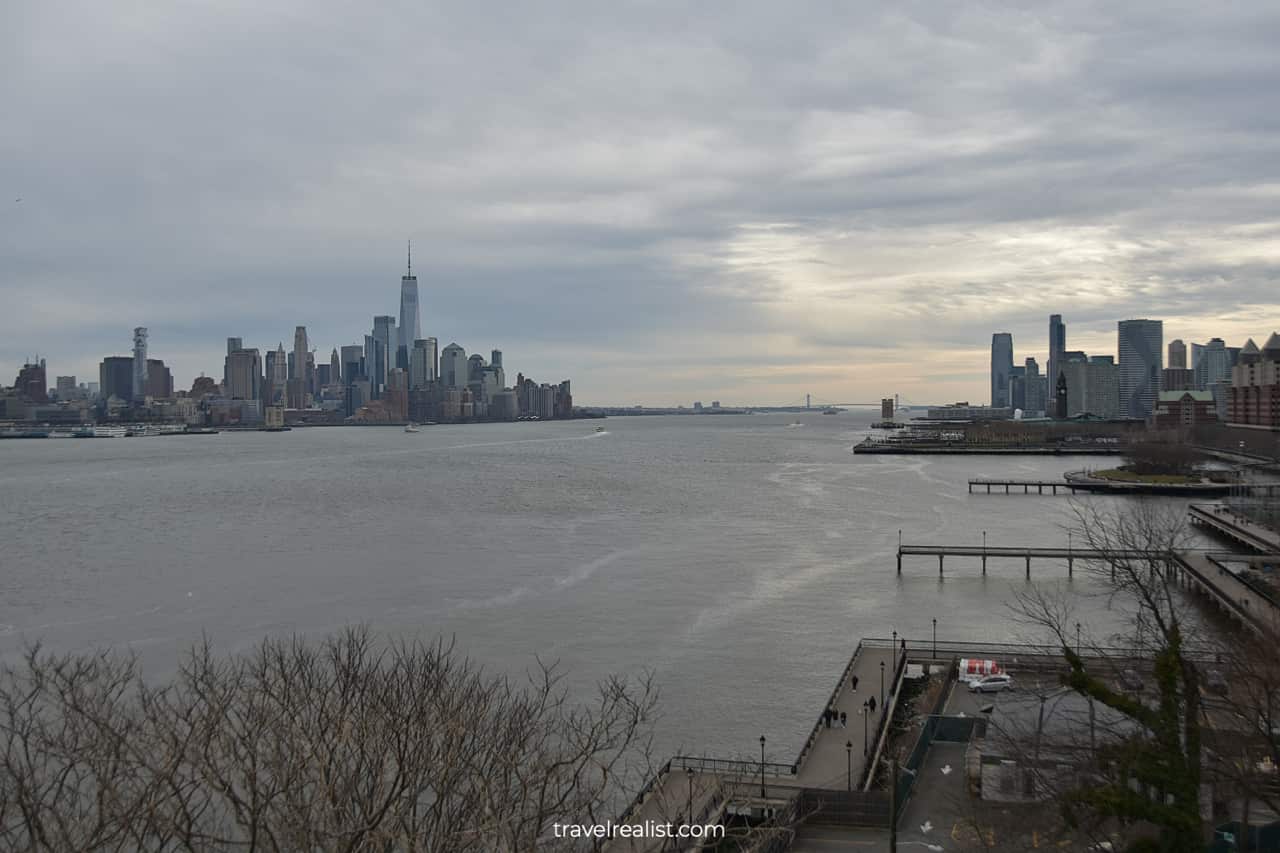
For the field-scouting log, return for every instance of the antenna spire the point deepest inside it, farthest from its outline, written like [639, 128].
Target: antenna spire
[410, 259]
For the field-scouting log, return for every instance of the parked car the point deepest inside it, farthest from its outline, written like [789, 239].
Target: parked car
[991, 683]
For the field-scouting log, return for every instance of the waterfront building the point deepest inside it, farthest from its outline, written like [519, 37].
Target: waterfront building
[886, 408]
[352, 363]
[32, 384]
[1184, 410]
[244, 375]
[410, 327]
[1177, 378]
[1001, 368]
[1254, 396]
[115, 377]
[964, 412]
[453, 366]
[504, 406]
[1057, 346]
[1141, 360]
[233, 344]
[139, 365]
[1177, 356]
[397, 396]
[65, 387]
[1017, 387]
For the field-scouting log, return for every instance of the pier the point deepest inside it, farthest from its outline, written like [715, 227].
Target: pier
[1016, 552]
[1220, 519]
[1025, 485]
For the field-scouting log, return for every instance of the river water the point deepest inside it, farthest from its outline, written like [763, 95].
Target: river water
[739, 557]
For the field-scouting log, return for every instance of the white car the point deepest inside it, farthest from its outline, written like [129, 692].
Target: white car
[991, 683]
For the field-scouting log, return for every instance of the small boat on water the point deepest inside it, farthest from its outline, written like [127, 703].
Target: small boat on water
[599, 429]
[410, 428]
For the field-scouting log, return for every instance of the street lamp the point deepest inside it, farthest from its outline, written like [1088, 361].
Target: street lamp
[881, 684]
[1077, 638]
[935, 638]
[848, 748]
[690, 812]
[984, 541]
[895, 639]
[762, 794]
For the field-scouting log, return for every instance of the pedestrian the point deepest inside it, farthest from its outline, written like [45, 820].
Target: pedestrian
[904, 645]
[844, 720]
[854, 688]
[826, 716]
[873, 704]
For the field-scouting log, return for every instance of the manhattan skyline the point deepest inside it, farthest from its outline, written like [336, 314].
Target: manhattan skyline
[663, 203]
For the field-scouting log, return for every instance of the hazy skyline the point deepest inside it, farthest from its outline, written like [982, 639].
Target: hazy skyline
[662, 202]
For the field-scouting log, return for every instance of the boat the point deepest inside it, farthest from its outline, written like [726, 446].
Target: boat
[599, 429]
[830, 411]
[410, 428]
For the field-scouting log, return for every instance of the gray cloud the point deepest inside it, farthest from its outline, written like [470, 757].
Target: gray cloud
[806, 198]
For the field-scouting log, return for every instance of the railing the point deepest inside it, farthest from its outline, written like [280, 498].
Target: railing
[1265, 594]
[729, 765]
[831, 703]
[638, 800]
[882, 727]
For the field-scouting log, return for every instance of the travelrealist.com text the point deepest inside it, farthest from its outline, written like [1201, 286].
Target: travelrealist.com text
[643, 829]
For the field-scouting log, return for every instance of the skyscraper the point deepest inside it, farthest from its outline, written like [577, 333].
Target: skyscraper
[410, 329]
[244, 375]
[1057, 346]
[422, 362]
[383, 358]
[139, 364]
[335, 368]
[1001, 368]
[298, 384]
[1141, 345]
[1177, 354]
[277, 376]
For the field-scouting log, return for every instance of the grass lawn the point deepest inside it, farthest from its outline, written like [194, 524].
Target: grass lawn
[1130, 477]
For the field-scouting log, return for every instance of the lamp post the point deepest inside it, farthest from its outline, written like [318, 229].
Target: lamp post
[935, 638]
[848, 748]
[984, 542]
[762, 794]
[1077, 638]
[895, 639]
[881, 684]
[690, 812]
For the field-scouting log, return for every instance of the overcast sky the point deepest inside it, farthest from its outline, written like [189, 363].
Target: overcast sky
[663, 202]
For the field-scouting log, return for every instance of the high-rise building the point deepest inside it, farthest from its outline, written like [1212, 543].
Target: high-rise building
[1254, 396]
[1178, 378]
[352, 363]
[115, 377]
[277, 382]
[32, 383]
[244, 375]
[1057, 346]
[159, 380]
[1035, 392]
[1001, 368]
[1141, 349]
[66, 387]
[453, 366]
[1177, 357]
[139, 392]
[297, 396]
[383, 360]
[410, 327]
[1214, 364]
[886, 408]
[1092, 386]
[335, 368]
[422, 363]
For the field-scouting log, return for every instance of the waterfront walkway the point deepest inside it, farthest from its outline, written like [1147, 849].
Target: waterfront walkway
[1221, 519]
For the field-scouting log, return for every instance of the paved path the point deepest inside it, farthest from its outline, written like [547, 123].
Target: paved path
[827, 763]
[1237, 527]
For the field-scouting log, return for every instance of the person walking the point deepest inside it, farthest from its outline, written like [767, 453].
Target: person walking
[826, 717]
[854, 684]
[873, 704]
[844, 719]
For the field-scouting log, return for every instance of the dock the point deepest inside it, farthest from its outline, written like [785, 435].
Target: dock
[1221, 520]
[1025, 485]
[1016, 552]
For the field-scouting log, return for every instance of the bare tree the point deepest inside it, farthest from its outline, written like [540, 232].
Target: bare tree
[342, 746]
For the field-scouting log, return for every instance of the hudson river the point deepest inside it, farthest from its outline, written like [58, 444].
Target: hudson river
[739, 557]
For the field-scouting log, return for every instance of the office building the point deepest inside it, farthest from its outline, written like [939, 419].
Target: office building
[159, 380]
[1213, 365]
[1093, 388]
[276, 384]
[1141, 349]
[384, 332]
[1177, 355]
[1057, 346]
[352, 357]
[886, 408]
[139, 393]
[335, 368]
[422, 363]
[244, 375]
[1035, 391]
[410, 328]
[1001, 368]
[297, 386]
[1177, 378]
[453, 366]
[32, 384]
[65, 386]
[1254, 396]
[115, 378]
